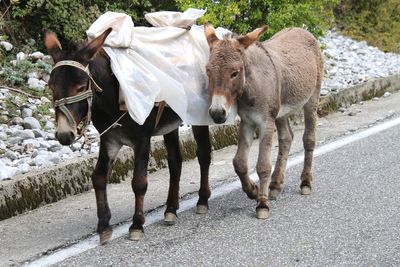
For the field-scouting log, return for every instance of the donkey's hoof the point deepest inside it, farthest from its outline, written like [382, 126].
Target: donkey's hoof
[169, 218]
[305, 190]
[273, 194]
[262, 213]
[201, 209]
[135, 234]
[105, 236]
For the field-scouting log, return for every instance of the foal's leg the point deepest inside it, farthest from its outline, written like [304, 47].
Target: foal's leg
[309, 140]
[246, 135]
[264, 166]
[285, 137]
[139, 186]
[202, 137]
[108, 152]
[171, 141]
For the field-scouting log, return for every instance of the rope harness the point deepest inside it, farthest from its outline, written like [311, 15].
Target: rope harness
[88, 95]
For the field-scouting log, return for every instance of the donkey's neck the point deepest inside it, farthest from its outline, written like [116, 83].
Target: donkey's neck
[105, 103]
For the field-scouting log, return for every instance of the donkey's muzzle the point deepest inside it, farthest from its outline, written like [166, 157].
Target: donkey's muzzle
[218, 114]
[65, 138]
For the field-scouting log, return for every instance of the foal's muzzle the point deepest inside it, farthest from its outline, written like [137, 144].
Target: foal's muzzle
[218, 114]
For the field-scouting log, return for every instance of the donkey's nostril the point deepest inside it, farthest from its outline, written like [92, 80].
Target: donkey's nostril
[218, 115]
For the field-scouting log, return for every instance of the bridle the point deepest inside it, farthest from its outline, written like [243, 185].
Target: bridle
[87, 94]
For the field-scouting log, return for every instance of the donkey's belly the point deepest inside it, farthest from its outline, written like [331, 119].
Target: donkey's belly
[167, 127]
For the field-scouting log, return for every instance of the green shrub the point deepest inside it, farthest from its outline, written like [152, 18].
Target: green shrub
[376, 21]
[243, 16]
[26, 19]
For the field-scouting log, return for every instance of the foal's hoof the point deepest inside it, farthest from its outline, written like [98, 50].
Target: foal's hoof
[201, 209]
[262, 213]
[305, 190]
[135, 234]
[105, 236]
[253, 194]
[273, 194]
[169, 218]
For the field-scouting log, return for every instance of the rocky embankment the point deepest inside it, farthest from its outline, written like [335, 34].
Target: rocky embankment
[27, 139]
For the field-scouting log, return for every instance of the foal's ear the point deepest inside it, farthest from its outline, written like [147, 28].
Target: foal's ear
[94, 46]
[52, 45]
[209, 31]
[251, 37]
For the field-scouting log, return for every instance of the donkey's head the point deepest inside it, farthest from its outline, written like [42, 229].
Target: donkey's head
[70, 82]
[225, 69]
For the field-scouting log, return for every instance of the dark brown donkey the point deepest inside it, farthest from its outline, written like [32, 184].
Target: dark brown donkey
[84, 86]
[269, 81]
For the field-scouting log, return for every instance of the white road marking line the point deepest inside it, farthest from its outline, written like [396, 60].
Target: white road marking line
[185, 205]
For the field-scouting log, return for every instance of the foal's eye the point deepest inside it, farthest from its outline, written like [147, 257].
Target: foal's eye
[234, 74]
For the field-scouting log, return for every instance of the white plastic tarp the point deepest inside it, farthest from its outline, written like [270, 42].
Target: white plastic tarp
[163, 63]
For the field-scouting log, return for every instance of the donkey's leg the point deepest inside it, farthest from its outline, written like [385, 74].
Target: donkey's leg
[309, 140]
[139, 186]
[285, 137]
[246, 135]
[108, 152]
[202, 137]
[171, 141]
[264, 166]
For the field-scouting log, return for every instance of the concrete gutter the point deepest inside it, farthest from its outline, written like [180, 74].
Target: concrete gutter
[35, 189]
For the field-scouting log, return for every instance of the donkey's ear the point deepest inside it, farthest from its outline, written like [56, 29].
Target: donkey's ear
[209, 31]
[94, 46]
[52, 45]
[251, 37]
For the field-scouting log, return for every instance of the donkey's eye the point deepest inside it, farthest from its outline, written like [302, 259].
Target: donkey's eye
[234, 74]
[81, 88]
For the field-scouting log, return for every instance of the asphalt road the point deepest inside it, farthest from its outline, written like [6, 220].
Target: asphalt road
[351, 219]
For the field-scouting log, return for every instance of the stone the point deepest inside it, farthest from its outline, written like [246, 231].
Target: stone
[24, 167]
[24, 134]
[55, 147]
[324, 92]
[31, 123]
[48, 60]
[3, 136]
[36, 84]
[65, 150]
[33, 75]
[20, 57]
[6, 45]
[26, 112]
[6, 171]
[36, 55]
[35, 143]
[17, 121]
[11, 155]
[49, 125]
[45, 100]
[387, 94]
[38, 133]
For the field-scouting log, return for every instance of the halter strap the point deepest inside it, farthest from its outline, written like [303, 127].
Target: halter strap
[80, 66]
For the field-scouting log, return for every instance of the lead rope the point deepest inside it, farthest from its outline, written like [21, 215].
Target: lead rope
[115, 124]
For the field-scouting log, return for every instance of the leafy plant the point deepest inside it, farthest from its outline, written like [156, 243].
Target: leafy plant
[242, 16]
[376, 21]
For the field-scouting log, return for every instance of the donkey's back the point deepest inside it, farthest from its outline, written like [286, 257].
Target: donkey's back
[297, 56]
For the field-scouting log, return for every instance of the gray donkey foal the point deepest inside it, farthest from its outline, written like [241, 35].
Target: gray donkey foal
[269, 81]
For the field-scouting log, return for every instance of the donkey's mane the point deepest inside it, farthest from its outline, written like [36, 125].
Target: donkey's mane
[230, 35]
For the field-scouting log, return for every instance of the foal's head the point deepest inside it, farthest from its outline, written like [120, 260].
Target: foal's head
[69, 82]
[225, 70]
